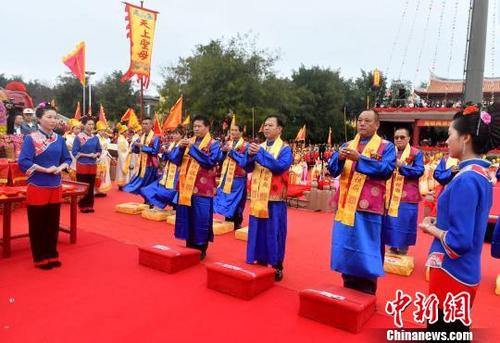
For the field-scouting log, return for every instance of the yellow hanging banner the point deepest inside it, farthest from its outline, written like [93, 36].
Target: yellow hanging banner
[141, 24]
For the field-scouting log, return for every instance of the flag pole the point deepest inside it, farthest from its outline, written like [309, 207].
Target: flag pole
[83, 102]
[142, 86]
[345, 124]
[253, 122]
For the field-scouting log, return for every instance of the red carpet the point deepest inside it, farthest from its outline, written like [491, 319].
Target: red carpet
[102, 294]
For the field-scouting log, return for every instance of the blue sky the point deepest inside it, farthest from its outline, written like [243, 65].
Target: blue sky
[346, 35]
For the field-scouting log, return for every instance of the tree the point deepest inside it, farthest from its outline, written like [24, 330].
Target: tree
[221, 77]
[114, 95]
[39, 91]
[321, 93]
[68, 91]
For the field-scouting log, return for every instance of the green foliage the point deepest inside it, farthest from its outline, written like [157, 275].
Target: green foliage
[67, 92]
[234, 76]
[114, 95]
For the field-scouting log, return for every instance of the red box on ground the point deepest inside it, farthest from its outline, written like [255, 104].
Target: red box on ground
[343, 308]
[243, 281]
[169, 259]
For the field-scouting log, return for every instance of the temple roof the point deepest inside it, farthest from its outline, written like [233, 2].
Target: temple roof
[439, 85]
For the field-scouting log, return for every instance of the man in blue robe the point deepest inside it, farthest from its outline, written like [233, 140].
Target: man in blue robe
[400, 226]
[269, 162]
[197, 158]
[365, 163]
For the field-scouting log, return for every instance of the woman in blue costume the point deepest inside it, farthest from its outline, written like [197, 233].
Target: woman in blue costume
[463, 208]
[43, 157]
[159, 194]
[230, 201]
[86, 149]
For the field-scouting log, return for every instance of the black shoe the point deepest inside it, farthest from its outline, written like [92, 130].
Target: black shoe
[55, 264]
[278, 275]
[100, 195]
[46, 266]
[203, 255]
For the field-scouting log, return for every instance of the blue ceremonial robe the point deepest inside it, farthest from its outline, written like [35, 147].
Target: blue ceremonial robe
[159, 195]
[151, 174]
[267, 236]
[401, 231]
[195, 223]
[233, 204]
[441, 174]
[357, 250]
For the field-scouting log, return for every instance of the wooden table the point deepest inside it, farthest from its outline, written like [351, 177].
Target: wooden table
[78, 189]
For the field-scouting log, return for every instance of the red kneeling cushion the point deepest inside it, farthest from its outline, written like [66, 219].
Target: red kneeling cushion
[169, 259]
[344, 308]
[244, 281]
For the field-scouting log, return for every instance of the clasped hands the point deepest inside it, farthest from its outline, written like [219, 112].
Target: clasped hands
[253, 149]
[348, 154]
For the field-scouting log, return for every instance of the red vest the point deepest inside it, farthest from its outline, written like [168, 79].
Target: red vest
[205, 184]
[279, 187]
[240, 172]
[411, 192]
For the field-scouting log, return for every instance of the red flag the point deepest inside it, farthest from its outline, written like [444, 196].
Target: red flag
[174, 117]
[102, 116]
[301, 135]
[78, 114]
[75, 61]
[157, 127]
[126, 115]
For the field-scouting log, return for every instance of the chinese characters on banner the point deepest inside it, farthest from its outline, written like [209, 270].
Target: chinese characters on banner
[455, 307]
[140, 30]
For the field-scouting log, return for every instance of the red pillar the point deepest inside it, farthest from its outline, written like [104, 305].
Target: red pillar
[416, 135]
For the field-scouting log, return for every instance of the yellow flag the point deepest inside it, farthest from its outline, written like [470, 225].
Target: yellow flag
[301, 135]
[187, 121]
[133, 122]
[140, 30]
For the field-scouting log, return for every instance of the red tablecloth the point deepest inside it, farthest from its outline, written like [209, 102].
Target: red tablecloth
[296, 191]
[10, 174]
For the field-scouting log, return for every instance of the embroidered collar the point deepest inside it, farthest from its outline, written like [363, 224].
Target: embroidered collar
[478, 161]
[45, 134]
[41, 141]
